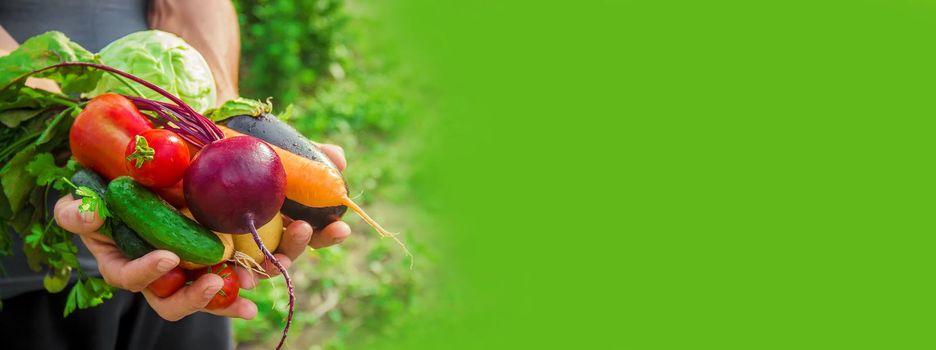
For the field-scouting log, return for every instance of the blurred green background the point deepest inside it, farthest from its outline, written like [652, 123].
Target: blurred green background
[603, 175]
[328, 62]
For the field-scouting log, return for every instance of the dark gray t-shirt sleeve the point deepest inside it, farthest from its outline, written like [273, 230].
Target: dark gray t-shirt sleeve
[91, 23]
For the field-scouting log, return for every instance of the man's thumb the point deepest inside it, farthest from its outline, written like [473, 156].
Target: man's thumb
[68, 217]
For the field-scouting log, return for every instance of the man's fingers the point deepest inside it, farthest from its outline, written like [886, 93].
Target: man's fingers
[246, 277]
[335, 153]
[332, 234]
[135, 275]
[295, 239]
[68, 217]
[195, 297]
[240, 308]
[108, 257]
[187, 300]
[199, 293]
[271, 269]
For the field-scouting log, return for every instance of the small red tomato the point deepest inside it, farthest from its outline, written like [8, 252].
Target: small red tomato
[169, 283]
[157, 158]
[229, 290]
[192, 275]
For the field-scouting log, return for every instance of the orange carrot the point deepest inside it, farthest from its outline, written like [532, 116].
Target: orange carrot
[317, 185]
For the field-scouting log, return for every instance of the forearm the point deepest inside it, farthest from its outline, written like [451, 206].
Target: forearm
[7, 43]
[211, 27]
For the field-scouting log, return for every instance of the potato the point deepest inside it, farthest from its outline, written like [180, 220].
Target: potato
[270, 233]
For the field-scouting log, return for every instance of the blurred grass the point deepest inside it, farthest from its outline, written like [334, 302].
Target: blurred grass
[348, 86]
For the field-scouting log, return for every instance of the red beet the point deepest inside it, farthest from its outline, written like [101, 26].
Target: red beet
[232, 179]
[234, 185]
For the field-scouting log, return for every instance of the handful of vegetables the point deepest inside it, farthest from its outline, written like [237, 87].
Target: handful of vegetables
[162, 174]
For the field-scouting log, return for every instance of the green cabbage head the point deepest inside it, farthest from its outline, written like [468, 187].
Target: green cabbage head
[163, 59]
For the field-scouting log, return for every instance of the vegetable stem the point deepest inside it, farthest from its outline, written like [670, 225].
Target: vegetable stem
[204, 130]
[289, 286]
[65, 101]
[141, 152]
[165, 116]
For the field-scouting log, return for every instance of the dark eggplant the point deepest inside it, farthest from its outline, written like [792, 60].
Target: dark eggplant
[269, 128]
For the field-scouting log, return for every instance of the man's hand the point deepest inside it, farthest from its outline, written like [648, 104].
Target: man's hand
[135, 275]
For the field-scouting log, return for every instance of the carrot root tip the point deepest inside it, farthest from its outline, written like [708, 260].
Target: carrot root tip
[380, 230]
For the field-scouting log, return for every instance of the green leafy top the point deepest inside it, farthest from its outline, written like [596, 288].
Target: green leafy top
[45, 50]
[239, 106]
[141, 152]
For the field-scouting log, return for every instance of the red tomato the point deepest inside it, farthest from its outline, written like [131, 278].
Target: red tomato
[229, 290]
[157, 158]
[169, 283]
[102, 129]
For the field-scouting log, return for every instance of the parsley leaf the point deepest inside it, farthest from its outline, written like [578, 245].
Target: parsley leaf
[87, 293]
[72, 300]
[35, 236]
[52, 246]
[90, 200]
[46, 172]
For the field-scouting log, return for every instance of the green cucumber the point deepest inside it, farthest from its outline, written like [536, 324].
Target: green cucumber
[128, 241]
[161, 225]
